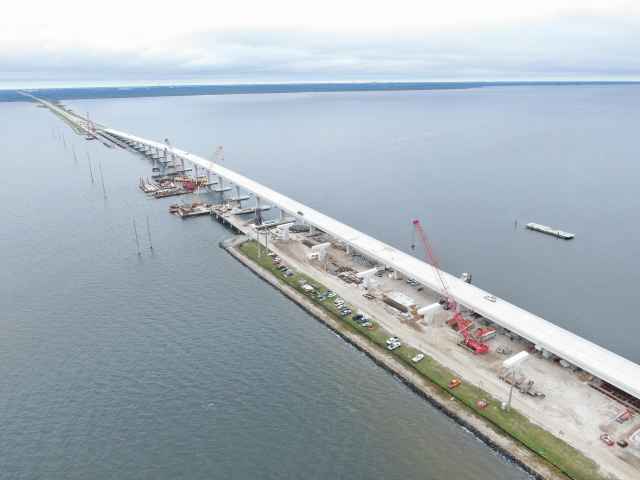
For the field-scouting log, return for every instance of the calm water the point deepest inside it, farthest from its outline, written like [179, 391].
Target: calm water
[182, 364]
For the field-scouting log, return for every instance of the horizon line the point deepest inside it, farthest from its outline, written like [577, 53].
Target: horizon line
[324, 82]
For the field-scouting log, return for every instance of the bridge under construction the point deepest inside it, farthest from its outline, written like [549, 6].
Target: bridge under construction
[613, 375]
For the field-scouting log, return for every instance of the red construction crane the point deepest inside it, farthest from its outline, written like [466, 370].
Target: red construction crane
[461, 324]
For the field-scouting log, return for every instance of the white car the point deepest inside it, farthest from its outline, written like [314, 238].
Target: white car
[393, 346]
[418, 358]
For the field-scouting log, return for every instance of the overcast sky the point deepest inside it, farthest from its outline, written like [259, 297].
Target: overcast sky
[143, 41]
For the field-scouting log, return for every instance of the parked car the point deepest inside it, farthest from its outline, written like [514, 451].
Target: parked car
[606, 438]
[418, 358]
[393, 346]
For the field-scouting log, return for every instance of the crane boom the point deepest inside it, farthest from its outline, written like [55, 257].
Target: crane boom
[432, 260]
[461, 324]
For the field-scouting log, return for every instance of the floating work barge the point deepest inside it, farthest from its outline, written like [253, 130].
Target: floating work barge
[171, 192]
[194, 209]
[550, 231]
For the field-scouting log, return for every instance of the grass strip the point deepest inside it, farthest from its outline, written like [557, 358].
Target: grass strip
[553, 449]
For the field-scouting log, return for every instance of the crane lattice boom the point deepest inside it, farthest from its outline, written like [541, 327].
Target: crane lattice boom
[461, 324]
[432, 260]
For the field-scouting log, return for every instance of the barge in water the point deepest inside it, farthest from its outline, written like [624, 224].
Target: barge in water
[550, 231]
[194, 209]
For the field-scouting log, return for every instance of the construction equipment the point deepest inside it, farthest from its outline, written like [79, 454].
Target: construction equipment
[454, 383]
[459, 323]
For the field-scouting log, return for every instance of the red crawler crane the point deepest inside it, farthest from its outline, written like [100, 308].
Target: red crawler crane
[458, 321]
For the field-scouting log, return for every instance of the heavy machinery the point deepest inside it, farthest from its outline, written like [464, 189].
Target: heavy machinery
[458, 322]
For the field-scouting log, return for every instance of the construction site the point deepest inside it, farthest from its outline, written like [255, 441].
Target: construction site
[565, 400]
[562, 398]
[581, 393]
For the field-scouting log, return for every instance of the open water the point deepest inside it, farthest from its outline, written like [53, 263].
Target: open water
[182, 364]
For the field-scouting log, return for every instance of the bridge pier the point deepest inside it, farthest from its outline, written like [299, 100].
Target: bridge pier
[258, 213]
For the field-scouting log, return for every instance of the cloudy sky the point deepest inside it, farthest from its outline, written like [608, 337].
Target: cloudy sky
[142, 41]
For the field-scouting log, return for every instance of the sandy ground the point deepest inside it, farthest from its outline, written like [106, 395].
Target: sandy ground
[571, 410]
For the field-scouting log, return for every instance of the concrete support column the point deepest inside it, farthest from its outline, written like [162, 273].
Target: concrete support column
[258, 214]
